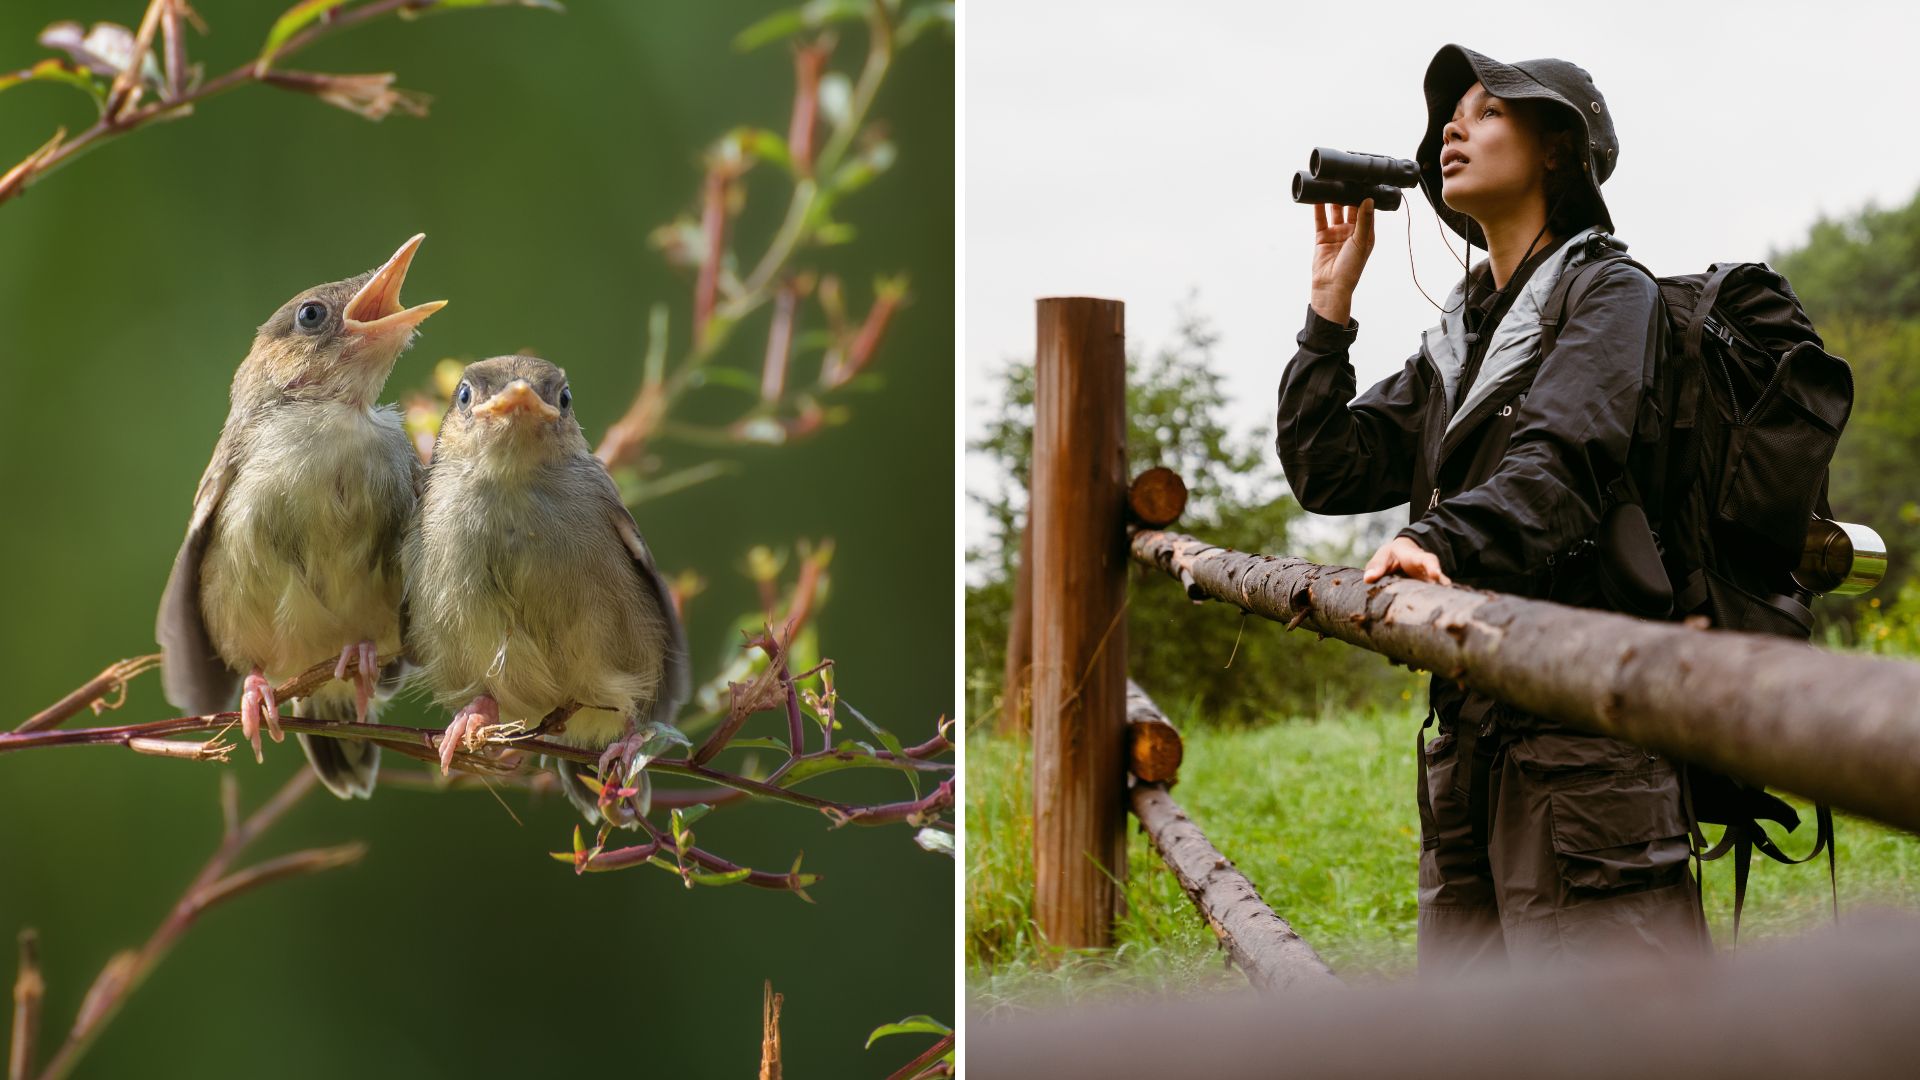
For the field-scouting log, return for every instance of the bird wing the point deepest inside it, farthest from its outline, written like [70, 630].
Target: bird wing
[677, 682]
[194, 676]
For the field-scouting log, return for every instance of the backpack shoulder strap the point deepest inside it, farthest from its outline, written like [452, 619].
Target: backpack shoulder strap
[1573, 287]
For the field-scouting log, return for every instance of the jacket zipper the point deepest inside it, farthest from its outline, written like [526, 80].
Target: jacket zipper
[1436, 396]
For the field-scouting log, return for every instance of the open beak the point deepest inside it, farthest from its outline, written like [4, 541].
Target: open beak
[517, 400]
[375, 310]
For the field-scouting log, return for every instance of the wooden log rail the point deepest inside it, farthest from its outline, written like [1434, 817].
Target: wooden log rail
[1839, 728]
[1262, 944]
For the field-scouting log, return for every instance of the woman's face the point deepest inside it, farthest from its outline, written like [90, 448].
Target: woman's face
[1491, 158]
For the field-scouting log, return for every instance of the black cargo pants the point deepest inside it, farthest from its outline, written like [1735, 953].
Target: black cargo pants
[1549, 848]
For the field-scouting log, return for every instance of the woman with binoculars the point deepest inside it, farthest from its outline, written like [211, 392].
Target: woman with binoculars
[1540, 845]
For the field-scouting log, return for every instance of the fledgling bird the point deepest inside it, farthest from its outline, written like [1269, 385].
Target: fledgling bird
[292, 554]
[529, 587]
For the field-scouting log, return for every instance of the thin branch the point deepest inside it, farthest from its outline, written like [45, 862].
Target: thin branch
[212, 885]
[312, 861]
[127, 85]
[422, 744]
[925, 811]
[93, 693]
[29, 992]
[625, 438]
[124, 113]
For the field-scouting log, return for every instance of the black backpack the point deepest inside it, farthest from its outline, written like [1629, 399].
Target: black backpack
[1729, 469]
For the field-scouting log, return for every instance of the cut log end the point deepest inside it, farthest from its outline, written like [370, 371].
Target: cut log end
[1153, 750]
[1156, 498]
[1153, 743]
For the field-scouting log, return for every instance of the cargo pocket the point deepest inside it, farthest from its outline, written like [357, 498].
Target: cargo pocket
[1436, 769]
[1613, 811]
[1617, 831]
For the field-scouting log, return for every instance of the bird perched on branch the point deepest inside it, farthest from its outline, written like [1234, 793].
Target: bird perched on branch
[292, 554]
[529, 588]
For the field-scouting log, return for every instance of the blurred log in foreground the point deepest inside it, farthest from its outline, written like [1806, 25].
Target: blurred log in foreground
[1828, 1004]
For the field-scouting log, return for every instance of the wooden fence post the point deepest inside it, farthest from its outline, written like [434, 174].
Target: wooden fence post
[1079, 557]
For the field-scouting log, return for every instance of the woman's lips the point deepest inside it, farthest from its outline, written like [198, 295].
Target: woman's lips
[1453, 166]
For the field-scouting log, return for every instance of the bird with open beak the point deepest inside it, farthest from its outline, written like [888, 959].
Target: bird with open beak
[292, 554]
[529, 588]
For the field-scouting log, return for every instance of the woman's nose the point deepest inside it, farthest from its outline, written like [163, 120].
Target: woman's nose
[1452, 131]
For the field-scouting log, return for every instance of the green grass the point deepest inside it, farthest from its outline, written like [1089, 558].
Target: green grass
[1320, 815]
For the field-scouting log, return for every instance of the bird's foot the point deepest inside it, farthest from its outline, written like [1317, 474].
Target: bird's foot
[480, 713]
[364, 658]
[617, 759]
[257, 702]
[624, 792]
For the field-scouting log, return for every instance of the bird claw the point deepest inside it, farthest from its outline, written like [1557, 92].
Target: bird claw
[257, 702]
[621, 752]
[364, 658]
[481, 712]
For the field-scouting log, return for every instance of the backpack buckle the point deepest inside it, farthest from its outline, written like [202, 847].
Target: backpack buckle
[1719, 331]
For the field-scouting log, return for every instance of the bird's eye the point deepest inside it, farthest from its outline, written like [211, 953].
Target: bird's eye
[566, 397]
[311, 316]
[465, 394]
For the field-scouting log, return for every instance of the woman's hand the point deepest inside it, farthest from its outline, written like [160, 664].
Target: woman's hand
[1341, 244]
[1402, 556]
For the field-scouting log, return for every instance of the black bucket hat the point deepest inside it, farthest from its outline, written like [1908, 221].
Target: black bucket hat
[1557, 82]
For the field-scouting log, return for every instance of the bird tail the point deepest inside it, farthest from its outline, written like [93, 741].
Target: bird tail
[346, 766]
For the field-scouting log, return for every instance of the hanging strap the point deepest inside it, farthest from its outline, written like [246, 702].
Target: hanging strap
[1426, 799]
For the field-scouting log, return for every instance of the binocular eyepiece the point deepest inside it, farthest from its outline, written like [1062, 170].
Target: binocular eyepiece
[1349, 179]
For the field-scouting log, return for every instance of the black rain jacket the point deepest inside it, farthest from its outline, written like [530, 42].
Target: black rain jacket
[1509, 500]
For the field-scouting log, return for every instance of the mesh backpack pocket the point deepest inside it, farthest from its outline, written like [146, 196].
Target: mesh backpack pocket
[1778, 451]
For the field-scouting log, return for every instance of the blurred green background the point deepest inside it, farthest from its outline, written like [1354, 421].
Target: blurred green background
[130, 284]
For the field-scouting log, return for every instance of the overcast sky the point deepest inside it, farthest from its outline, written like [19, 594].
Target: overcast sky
[1143, 151]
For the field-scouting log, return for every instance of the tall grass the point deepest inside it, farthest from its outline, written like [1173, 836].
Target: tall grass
[1320, 815]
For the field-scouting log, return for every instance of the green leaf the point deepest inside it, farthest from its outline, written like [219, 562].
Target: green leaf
[922, 19]
[921, 1024]
[655, 739]
[834, 234]
[455, 5]
[732, 378]
[58, 71]
[809, 16]
[766, 145]
[812, 767]
[291, 22]
[862, 170]
[731, 877]
[887, 739]
[759, 744]
[687, 815]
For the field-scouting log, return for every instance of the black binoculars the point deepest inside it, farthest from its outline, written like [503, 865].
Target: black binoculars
[1349, 179]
